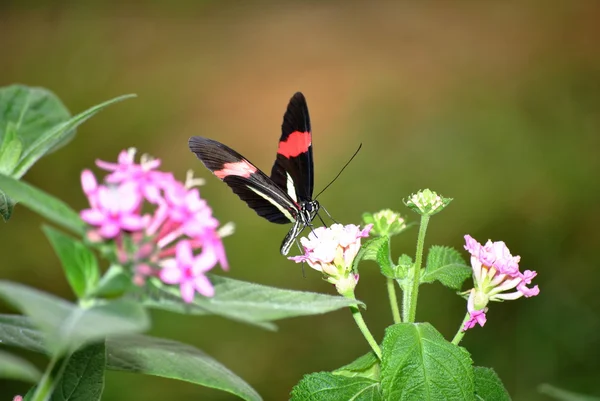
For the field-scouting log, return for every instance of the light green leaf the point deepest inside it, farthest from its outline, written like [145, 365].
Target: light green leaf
[83, 378]
[15, 368]
[78, 261]
[19, 331]
[446, 265]
[67, 326]
[419, 364]
[324, 386]
[488, 386]
[40, 202]
[365, 366]
[10, 151]
[245, 302]
[57, 136]
[174, 360]
[377, 249]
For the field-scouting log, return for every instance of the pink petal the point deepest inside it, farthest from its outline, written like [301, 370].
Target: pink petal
[170, 275]
[92, 216]
[205, 261]
[106, 165]
[107, 199]
[129, 197]
[88, 182]
[187, 291]
[109, 229]
[185, 257]
[131, 222]
[204, 286]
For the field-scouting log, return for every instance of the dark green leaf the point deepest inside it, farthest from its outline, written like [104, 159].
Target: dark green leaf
[16, 368]
[7, 206]
[245, 302]
[40, 202]
[57, 136]
[377, 249]
[114, 283]
[446, 265]
[171, 359]
[564, 395]
[83, 378]
[365, 366]
[78, 261]
[488, 386]
[30, 111]
[67, 326]
[419, 364]
[324, 386]
[19, 331]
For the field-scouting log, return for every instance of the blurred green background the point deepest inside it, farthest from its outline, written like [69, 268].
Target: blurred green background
[496, 104]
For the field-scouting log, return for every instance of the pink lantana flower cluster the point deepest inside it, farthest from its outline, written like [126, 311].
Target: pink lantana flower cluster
[496, 277]
[159, 226]
[332, 251]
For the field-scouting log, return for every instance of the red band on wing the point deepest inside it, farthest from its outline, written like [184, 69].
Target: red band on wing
[241, 168]
[297, 143]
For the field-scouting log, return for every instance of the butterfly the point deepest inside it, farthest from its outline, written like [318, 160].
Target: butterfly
[285, 196]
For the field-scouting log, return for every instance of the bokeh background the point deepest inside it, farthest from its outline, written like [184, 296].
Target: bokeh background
[496, 104]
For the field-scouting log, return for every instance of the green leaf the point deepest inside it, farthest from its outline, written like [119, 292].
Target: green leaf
[174, 360]
[58, 135]
[446, 265]
[15, 368]
[83, 378]
[365, 366]
[78, 261]
[324, 386]
[419, 364]
[141, 354]
[7, 206]
[114, 283]
[10, 151]
[377, 249]
[30, 111]
[40, 202]
[67, 326]
[564, 395]
[245, 302]
[19, 331]
[488, 386]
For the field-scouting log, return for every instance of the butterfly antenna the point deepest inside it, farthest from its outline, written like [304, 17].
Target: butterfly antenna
[336, 177]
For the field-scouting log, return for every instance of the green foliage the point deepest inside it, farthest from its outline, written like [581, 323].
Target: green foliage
[83, 378]
[78, 261]
[446, 265]
[33, 123]
[419, 364]
[325, 386]
[245, 302]
[171, 359]
[488, 386]
[366, 366]
[67, 326]
[40, 202]
[15, 368]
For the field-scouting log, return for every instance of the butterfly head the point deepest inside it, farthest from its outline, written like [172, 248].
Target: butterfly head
[308, 211]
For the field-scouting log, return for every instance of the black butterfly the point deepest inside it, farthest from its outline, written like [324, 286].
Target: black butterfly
[286, 196]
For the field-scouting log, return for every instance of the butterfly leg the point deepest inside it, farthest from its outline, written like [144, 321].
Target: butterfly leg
[327, 213]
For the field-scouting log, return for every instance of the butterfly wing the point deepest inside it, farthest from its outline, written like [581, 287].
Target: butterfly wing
[293, 168]
[253, 186]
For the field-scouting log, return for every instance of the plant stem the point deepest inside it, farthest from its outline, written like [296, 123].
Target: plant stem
[409, 308]
[393, 300]
[460, 333]
[44, 387]
[360, 322]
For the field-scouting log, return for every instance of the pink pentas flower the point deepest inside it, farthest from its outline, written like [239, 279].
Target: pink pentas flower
[189, 271]
[143, 175]
[496, 277]
[116, 209]
[331, 251]
[177, 239]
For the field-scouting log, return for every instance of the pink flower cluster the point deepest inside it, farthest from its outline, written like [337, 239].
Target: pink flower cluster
[177, 224]
[332, 251]
[495, 272]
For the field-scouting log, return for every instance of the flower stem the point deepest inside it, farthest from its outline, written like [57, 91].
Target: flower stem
[460, 333]
[360, 322]
[44, 387]
[409, 307]
[393, 300]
